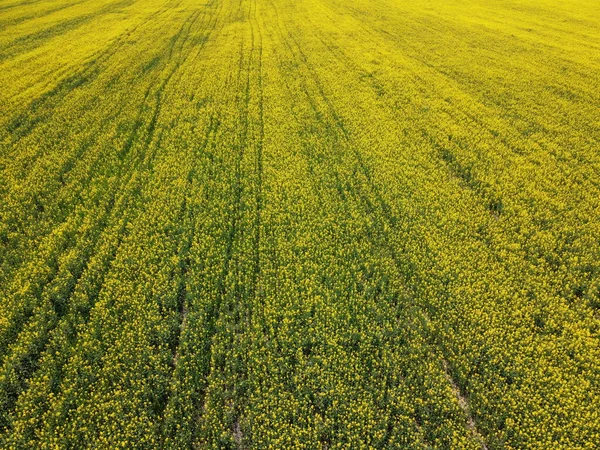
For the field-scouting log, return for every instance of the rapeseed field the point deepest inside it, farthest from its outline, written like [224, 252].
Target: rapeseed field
[300, 224]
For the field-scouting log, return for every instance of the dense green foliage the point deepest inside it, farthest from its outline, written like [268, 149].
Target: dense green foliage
[304, 224]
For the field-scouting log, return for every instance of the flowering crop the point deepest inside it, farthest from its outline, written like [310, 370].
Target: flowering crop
[311, 224]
